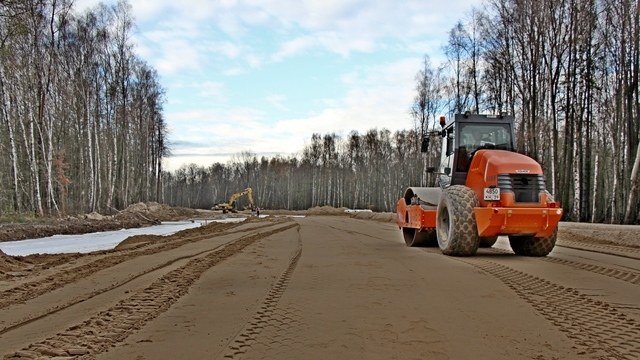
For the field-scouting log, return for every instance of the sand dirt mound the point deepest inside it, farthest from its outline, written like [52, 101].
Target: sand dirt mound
[625, 235]
[342, 211]
[8, 263]
[382, 217]
[326, 210]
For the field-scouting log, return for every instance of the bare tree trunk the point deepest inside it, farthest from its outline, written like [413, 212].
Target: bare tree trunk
[33, 161]
[159, 187]
[49, 164]
[90, 162]
[112, 167]
[595, 187]
[554, 158]
[614, 187]
[576, 211]
[634, 189]
[13, 155]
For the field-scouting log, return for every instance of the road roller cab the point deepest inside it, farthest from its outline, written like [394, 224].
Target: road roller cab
[485, 189]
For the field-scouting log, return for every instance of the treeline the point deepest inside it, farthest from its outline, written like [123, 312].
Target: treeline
[81, 117]
[362, 171]
[567, 69]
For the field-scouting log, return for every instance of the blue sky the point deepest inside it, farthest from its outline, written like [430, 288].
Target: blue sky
[264, 75]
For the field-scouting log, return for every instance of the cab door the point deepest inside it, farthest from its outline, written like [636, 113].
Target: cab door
[446, 157]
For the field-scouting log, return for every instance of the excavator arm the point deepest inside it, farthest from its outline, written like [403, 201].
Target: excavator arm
[229, 206]
[246, 191]
[250, 195]
[233, 198]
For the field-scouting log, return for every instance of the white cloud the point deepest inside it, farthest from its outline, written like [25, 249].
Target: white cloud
[210, 89]
[173, 48]
[294, 46]
[379, 99]
[277, 100]
[337, 26]
[233, 71]
[216, 135]
[345, 26]
[228, 49]
[254, 61]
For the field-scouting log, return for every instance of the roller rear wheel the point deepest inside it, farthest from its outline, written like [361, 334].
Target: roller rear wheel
[533, 246]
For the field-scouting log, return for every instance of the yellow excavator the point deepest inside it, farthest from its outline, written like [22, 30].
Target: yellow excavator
[226, 207]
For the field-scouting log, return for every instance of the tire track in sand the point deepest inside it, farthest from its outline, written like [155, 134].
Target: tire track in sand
[631, 277]
[33, 289]
[596, 327]
[100, 332]
[268, 317]
[627, 276]
[624, 251]
[68, 276]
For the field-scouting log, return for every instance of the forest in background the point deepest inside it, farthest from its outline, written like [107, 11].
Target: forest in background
[81, 116]
[82, 125]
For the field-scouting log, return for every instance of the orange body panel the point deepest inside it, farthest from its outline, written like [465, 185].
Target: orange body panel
[414, 216]
[504, 217]
[487, 164]
[492, 221]
[539, 222]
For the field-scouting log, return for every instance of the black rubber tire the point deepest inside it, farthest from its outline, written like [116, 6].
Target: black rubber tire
[456, 222]
[487, 242]
[533, 246]
[414, 238]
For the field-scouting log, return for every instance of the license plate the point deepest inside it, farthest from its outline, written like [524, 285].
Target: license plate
[492, 194]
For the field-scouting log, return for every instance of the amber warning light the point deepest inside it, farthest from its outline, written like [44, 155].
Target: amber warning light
[442, 121]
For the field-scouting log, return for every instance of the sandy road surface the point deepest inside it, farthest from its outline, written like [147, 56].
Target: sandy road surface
[322, 287]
